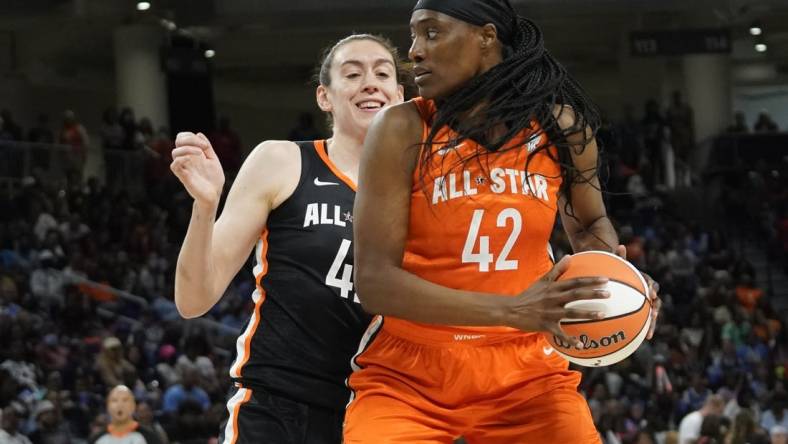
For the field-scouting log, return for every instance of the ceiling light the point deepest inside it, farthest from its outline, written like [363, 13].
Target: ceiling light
[169, 25]
[760, 47]
[209, 53]
[143, 6]
[756, 28]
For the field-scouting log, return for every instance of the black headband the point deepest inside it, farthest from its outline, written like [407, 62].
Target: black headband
[478, 12]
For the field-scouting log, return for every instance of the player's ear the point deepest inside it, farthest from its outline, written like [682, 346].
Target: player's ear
[321, 95]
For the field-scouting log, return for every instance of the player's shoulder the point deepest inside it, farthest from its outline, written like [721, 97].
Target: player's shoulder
[564, 115]
[401, 118]
[277, 163]
[275, 152]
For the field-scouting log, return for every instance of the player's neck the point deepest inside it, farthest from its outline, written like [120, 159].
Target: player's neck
[344, 150]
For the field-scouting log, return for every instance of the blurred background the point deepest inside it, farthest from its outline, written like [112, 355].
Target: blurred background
[92, 92]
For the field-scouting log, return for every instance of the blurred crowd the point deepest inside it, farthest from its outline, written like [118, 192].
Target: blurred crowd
[66, 341]
[718, 339]
[714, 373]
[715, 370]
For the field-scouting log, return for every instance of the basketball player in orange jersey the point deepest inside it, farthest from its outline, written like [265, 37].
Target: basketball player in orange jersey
[294, 201]
[458, 195]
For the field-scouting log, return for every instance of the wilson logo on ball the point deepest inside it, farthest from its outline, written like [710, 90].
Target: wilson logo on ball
[589, 344]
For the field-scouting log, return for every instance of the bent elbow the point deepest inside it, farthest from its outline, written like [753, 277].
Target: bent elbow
[369, 306]
[188, 310]
[192, 300]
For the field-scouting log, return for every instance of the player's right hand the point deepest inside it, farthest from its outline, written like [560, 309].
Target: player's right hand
[542, 306]
[196, 165]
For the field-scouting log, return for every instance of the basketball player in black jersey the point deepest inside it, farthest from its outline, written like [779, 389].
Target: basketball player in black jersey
[294, 201]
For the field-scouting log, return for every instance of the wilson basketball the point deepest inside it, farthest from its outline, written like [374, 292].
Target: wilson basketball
[627, 312]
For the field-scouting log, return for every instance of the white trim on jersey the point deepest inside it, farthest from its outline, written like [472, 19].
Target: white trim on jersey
[373, 328]
[550, 253]
[258, 256]
[233, 407]
[240, 343]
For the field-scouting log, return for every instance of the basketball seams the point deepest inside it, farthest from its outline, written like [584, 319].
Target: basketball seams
[628, 285]
[635, 310]
[645, 301]
[624, 261]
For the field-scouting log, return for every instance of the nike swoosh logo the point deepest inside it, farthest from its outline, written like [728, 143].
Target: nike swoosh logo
[548, 350]
[533, 143]
[320, 183]
[443, 151]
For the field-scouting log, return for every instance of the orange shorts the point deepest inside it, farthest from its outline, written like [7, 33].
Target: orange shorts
[491, 389]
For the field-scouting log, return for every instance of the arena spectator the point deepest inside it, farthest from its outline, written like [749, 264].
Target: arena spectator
[145, 417]
[51, 429]
[122, 428]
[653, 126]
[187, 391]
[739, 124]
[744, 429]
[778, 435]
[76, 136]
[765, 123]
[690, 427]
[713, 430]
[776, 415]
[111, 132]
[9, 432]
[131, 135]
[680, 119]
[111, 363]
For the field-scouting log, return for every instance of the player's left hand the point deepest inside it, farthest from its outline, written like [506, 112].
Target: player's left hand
[653, 290]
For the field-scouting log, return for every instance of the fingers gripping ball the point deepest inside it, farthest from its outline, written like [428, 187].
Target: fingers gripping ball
[626, 322]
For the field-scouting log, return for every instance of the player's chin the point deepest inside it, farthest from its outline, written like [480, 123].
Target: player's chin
[364, 120]
[428, 92]
[435, 88]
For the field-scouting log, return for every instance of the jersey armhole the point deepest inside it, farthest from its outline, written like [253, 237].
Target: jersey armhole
[304, 173]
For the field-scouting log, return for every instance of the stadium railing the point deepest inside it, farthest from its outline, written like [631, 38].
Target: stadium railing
[218, 329]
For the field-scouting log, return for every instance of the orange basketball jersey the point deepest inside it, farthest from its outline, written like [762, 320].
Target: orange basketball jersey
[481, 225]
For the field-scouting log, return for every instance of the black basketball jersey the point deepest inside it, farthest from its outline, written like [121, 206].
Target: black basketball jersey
[307, 321]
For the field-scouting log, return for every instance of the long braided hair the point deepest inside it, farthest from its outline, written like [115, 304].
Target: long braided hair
[525, 87]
